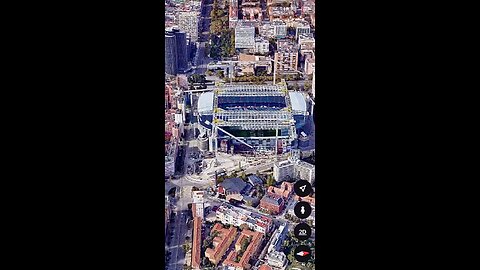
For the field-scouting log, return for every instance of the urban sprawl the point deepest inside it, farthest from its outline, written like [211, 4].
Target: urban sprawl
[239, 132]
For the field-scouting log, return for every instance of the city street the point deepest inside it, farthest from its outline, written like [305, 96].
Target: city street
[201, 60]
[179, 230]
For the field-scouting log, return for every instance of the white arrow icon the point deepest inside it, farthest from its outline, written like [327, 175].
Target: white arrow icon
[303, 253]
[302, 188]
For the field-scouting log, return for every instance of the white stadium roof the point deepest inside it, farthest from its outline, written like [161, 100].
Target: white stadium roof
[205, 102]
[298, 101]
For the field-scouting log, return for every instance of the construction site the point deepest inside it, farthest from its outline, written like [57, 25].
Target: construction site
[247, 119]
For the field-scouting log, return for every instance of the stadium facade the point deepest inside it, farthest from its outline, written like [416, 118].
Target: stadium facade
[263, 118]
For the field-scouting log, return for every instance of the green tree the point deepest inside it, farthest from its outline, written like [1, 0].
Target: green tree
[186, 247]
[270, 180]
[291, 258]
[244, 243]
[307, 86]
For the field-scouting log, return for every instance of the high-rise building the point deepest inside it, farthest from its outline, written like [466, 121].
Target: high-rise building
[176, 57]
[182, 52]
[171, 66]
[188, 22]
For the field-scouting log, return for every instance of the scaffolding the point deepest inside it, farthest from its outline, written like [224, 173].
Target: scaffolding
[255, 120]
[251, 90]
[252, 119]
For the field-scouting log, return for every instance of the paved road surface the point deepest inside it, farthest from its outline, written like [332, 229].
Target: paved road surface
[179, 229]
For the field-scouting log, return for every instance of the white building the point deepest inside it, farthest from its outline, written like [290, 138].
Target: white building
[198, 210]
[279, 29]
[244, 37]
[265, 29]
[278, 238]
[198, 196]
[313, 84]
[262, 45]
[304, 171]
[277, 259]
[302, 29]
[294, 169]
[188, 22]
[228, 214]
[286, 56]
[283, 170]
[309, 66]
[306, 42]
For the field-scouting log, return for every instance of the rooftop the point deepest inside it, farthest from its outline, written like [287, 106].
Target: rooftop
[265, 267]
[255, 180]
[298, 101]
[235, 185]
[272, 200]
[197, 241]
[221, 241]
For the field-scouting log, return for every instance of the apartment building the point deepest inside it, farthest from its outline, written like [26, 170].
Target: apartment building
[188, 22]
[244, 37]
[198, 210]
[198, 196]
[272, 203]
[221, 242]
[283, 170]
[279, 29]
[240, 258]
[196, 242]
[302, 29]
[262, 45]
[228, 214]
[277, 259]
[305, 171]
[278, 237]
[310, 65]
[286, 56]
[294, 169]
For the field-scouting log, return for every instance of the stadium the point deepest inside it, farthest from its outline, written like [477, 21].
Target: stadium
[247, 118]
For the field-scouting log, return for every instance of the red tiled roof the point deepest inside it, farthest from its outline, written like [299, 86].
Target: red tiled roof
[221, 242]
[249, 251]
[197, 241]
[194, 210]
[265, 267]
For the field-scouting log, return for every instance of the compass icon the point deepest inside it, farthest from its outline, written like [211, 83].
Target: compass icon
[302, 188]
